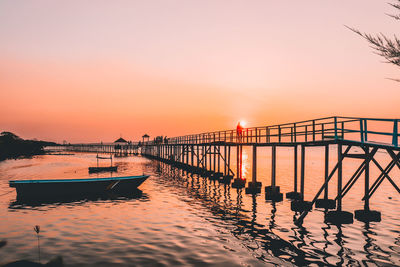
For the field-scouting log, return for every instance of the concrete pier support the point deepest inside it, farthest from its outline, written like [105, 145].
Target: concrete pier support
[254, 187]
[273, 192]
[325, 202]
[338, 216]
[239, 182]
[367, 215]
[294, 194]
[226, 179]
[300, 204]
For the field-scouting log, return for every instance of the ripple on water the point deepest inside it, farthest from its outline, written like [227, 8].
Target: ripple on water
[185, 221]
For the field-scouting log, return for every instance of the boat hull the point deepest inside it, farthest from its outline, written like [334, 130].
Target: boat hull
[40, 189]
[103, 169]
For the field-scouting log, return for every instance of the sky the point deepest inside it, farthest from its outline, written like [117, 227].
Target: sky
[91, 71]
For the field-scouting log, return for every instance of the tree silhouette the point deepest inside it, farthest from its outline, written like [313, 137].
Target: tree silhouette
[388, 48]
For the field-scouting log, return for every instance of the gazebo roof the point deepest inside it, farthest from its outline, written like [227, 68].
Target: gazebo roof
[145, 136]
[120, 140]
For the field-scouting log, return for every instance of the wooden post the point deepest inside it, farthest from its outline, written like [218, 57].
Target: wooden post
[254, 167]
[295, 168]
[303, 159]
[362, 131]
[241, 160]
[273, 168]
[395, 134]
[214, 157]
[366, 131]
[204, 157]
[198, 155]
[226, 160]
[339, 200]
[335, 127]
[210, 156]
[366, 184]
[326, 170]
[237, 161]
[192, 155]
[279, 133]
[187, 154]
[219, 158]
[229, 159]
[181, 152]
[313, 129]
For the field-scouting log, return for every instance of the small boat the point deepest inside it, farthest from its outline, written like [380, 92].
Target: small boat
[98, 168]
[75, 187]
[103, 169]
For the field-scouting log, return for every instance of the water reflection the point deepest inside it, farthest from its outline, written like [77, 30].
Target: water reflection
[254, 209]
[242, 223]
[319, 244]
[185, 212]
[325, 255]
[76, 201]
[272, 224]
[375, 253]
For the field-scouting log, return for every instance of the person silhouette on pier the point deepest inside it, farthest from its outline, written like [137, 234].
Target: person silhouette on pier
[239, 132]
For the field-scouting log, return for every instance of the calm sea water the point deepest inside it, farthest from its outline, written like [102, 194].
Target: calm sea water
[189, 220]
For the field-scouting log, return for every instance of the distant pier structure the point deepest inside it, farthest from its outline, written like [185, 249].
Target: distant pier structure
[119, 147]
[209, 155]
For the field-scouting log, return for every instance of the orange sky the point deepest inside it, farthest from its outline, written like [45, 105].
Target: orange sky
[88, 72]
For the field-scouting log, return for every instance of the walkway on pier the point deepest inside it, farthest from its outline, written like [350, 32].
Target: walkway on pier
[329, 129]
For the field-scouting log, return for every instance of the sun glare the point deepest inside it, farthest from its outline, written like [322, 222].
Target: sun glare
[242, 123]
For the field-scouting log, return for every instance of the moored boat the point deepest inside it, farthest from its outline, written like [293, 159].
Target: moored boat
[98, 168]
[74, 187]
[103, 169]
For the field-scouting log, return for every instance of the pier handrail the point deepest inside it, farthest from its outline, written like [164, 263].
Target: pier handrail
[334, 128]
[321, 129]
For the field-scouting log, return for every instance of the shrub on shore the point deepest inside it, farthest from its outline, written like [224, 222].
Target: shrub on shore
[12, 146]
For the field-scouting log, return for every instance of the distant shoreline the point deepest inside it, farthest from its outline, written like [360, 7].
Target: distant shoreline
[14, 147]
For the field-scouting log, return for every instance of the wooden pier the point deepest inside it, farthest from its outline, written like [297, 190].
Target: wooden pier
[119, 150]
[209, 155]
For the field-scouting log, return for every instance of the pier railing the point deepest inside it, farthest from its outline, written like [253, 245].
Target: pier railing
[363, 130]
